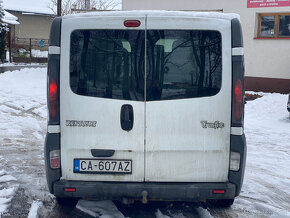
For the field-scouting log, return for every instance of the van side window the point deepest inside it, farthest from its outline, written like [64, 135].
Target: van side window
[108, 63]
[183, 64]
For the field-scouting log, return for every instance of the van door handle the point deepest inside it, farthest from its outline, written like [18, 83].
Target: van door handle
[102, 152]
[127, 117]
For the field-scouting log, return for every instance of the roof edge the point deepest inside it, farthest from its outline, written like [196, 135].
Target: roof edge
[164, 13]
[30, 12]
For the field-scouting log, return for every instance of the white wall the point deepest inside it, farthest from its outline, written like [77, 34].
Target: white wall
[263, 57]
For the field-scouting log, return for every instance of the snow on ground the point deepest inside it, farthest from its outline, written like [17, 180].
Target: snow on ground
[22, 130]
[6, 194]
[34, 209]
[39, 54]
[102, 209]
[266, 189]
[34, 53]
[8, 64]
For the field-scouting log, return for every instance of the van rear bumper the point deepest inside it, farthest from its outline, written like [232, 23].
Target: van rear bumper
[156, 191]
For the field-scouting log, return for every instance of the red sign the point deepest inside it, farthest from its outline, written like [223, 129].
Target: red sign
[268, 3]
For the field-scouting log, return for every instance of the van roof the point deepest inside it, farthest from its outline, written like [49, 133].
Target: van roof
[214, 15]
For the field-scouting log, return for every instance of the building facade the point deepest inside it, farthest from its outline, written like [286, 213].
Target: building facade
[32, 25]
[266, 32]
[30, 33]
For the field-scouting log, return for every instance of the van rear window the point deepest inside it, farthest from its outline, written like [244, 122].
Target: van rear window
[179, 64]
[108, 63]
[183, 64]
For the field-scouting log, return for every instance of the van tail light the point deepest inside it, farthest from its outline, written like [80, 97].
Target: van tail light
[238, 90]
[132, 23]
[54, 157]
[53, 98]
[238, 99]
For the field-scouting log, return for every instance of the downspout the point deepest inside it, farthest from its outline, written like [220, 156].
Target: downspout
[9, 44]
[14, 36]
[13, 42]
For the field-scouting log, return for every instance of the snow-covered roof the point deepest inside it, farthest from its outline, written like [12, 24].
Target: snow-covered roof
[218, 15]
[29, 6]
[10, 18]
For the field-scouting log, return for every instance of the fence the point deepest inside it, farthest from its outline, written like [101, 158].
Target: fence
[29, 50]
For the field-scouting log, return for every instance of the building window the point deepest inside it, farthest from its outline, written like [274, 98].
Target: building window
[274, 25]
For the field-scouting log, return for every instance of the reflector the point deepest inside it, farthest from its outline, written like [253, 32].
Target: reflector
[54, 163]
[216, 191]
[69, 189]
[54, 157]
[235, 161]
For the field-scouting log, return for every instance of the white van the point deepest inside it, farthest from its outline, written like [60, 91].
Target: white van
[146, 105]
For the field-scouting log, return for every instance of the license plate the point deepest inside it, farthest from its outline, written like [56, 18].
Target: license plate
[102, 166]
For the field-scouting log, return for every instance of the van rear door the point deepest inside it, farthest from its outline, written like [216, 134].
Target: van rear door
[102, 99]
[188, 99]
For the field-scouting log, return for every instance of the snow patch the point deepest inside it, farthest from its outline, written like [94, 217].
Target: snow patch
[19, 64]
[33, 6]
[27, 84]
[23, 95]
[4, 203]
[6, 109]
[255, 93]
[39, 54]
[7, 178]
[37, 135]
[34, 53]
[158, 214]
[41, 111]
[34, 209]
[2, 172]
[10, 18]
[7, 192]
[102, 209]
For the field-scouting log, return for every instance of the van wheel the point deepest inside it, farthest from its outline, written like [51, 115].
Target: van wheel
[222, 203]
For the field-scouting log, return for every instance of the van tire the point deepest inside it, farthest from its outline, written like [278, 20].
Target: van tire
[221, 203]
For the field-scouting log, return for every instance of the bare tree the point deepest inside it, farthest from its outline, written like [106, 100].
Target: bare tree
[72, 6]
[105, 4]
